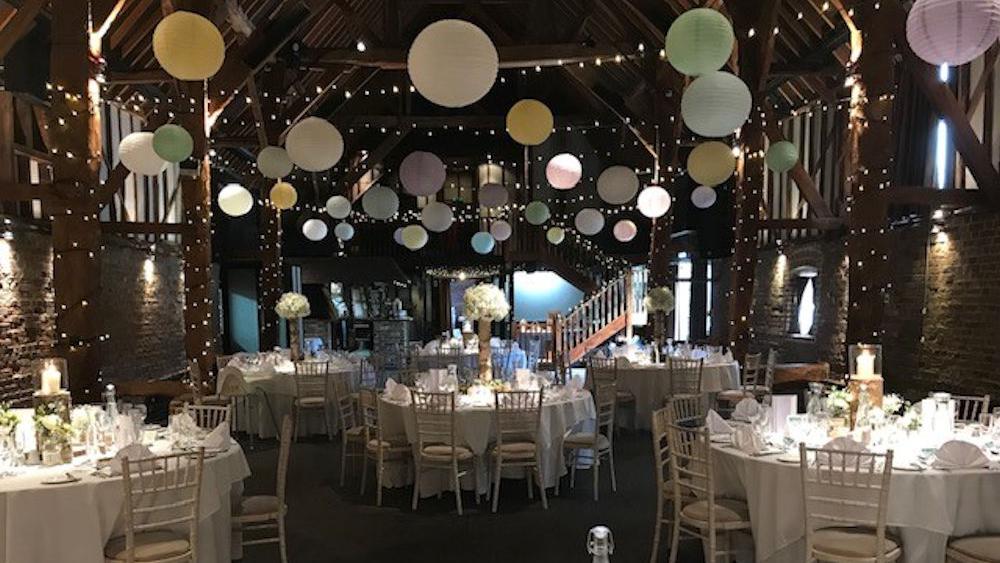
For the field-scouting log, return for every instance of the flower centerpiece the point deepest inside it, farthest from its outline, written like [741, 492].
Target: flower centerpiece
[293, 306]
[8, 429]
[485, 303]
[660, 302]
[53, 434]
[891, 404]
[838, 405]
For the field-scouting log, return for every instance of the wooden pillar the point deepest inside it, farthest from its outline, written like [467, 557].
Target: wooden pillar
[270, 276]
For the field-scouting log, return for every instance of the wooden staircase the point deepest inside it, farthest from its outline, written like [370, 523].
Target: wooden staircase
[573, 263]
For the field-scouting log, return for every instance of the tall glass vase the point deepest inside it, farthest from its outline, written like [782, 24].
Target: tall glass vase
[485, 351]
[659, 333]
[294, 341]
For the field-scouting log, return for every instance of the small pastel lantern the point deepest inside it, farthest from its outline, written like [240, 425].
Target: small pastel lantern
[617, 184]
[699, 41]
[314, 144]
[711, 163]
[343, 231]
[555, 235]
[422, 173]
[314, 229]
[283, 196]
[625, 230]
[653, 202]
[235, 200]
[864, 363]
[188, 46]
[501, 230]
[437, 217]
[588, 221]
[414, 237]
[172, 143]
[453, 63]
[716, 104]
[338, 207]
[703, 197]
[51, 377]
[482, 242]
[138, 155]
[397, 236]
[530, 122]
[781, 156]
[274, 163]
[952, 32]
[380, 202]
[536, 213]
[564, 171]
[493, 195]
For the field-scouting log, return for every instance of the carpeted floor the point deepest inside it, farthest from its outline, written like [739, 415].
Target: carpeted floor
[329, 523]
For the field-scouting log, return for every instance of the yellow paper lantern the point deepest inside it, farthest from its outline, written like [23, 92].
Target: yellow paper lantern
[188, 46]
[711, 163]
[530, 122]
[283, 195]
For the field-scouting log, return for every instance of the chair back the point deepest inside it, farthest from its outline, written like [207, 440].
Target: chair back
[284, 453]
[685, 375]
[345, 402]
[601, 371]
[434, 418]
[772, 362]
[518, 415]
[162, 492]
[606, 400]
[368, 405]
[691, 461]
[753, 370]
[661, 449]
[208, 417]
[687, 410]
[312, 380]
[230, 383]
[968, 407]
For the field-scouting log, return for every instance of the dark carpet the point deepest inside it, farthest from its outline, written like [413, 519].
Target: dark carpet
[330, 523]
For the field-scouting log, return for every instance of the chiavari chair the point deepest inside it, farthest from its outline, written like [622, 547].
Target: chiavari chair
[265, 512]
[437, 447]
[518, 416]
[600, 441]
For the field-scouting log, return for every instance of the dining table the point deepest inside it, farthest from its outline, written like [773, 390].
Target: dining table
[649, 382]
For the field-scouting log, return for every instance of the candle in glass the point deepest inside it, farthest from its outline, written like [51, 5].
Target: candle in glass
[51, 380]
[865, 363]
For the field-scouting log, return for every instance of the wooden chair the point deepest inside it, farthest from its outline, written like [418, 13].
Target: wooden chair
[266, 512]
[752, 377]
[600, 441]
[312, 394]
[352, 434]
[969, 407]
[604, 371]
[379, 448]
[518, 416]
[664, 486]
[849, 492]
[207, 417]
[160, 491]
[437, 447]
[973, 549]
[685, 375]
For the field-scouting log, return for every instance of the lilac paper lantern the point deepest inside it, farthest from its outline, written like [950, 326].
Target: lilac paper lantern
[493, 195]
[501, 230]
[564, 171]
[952, 32]
[422, 173]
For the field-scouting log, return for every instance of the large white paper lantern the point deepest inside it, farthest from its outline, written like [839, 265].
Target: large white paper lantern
[283, 195]
[422, 173]
[137, 154]
[338, 207]
[716, 104]
[379, 202]
[273, 162]
[617, 184]
[564, 171]
[625, 230]
[952, 32]
[437, 217]
[493, 195]
[235, 200]
[452, 63]
[501, 230]
[483, 243]
[414, 237]
[314, 144]
[555, 235]
[653, 202]
[188, 46]
[536, 213]
[314, 229]
[703, 197]
[699, 41]
[589, 221]
[344, 231]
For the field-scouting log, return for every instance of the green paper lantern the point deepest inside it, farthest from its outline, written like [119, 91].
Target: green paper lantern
[699, 41]
[781, 156]
[172, 143]
[536, 213]
[555, 235]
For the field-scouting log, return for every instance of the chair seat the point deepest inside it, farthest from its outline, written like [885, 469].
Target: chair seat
[850, 542]
[388, 447]
[149, 546]
[355, 434]
[443, 452]
[259, 505]
[311, 402]
[586, 440]
[982, 548]
[517, 450]
[727, 511]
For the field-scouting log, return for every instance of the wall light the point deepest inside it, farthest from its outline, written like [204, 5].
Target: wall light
[149, 270]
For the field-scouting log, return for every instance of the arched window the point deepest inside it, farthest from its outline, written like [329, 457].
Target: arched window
[803, 318]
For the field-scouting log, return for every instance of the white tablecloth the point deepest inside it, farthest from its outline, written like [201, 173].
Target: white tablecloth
[925, 508]
[279, 387]
[475, 428]
[650, 383]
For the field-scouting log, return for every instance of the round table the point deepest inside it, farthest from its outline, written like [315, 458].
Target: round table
[650, 383]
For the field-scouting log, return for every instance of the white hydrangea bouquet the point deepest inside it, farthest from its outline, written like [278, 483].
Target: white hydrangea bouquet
[292, 305]
[659, 299]
[485, 303]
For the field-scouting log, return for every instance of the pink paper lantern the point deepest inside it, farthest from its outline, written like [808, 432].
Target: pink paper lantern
[625, 230]
[952, 32]
[422, 173]
[564, 171]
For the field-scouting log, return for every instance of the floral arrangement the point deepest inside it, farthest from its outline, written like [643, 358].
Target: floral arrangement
[292, 305]
[80, 421]
[492, 384]
[911, 417]
[659, 299]
[485, 302]
[838, 402]
[8, 419]
[51, 426]
[891, 404]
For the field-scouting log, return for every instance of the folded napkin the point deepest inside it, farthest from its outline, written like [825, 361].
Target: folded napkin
[133, 452]
[574, 385]
[396, 392]
[218, 438]
[716, 424]
[746, 408]
[748, 441]
[841, 444]
[956, 454]
[181, 424]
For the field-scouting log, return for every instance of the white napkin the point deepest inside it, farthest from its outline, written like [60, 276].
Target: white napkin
[842, 444]
[395, 392]
[716, 424]
[748, 441]
[133, 452]
[746, 408]
[956, 454]
[574, 385]
[218, 439]
[183, 425]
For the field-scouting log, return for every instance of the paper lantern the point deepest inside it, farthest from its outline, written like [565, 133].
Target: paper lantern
[452, 63]
[589, 221]
[188, 46]
[437, 217]
[555, 235]
[711, 163]
[563, 171]
[314, 144]
[617, 184]
[235, 200]
[493, 195]
[283, 195]
[422, 173]
[703, 197]
[501, 230]
[379, 202]
[344, 231]
[536, 213]
[952, 32]
[699, 41]
[529, 122]
[653, 202]
[483, 243]
[273, 163]
[338, 207]
[625, 230]
[137, 154]
[397, 236]
[781, 156]
[173, 143]
[414, 237]
[314, 229]
[716, 104]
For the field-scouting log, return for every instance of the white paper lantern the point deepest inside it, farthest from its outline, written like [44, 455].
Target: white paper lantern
[344, 231]
[625, 230]
[703, 197]
[493, 195]
[422, 173]
[453, 63]
[555, 235]
[273, 162]
[437, 217]
[414, 237]
[617, 185]
[314, 229]
[588, 221]
[501, 230]
[137, 154]
[716, 104]
[653, 202]
[314, 144]
[564, 171]
[952, 32]
[379, 202]
[235, 200]
[397, 236]
[338, 207]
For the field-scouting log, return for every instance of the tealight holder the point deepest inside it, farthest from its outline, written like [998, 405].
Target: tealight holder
[51, 381]
[864, 363]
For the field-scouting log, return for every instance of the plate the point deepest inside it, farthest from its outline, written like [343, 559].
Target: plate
[906, 467]
[63, 479]
[789, 457]
[721, 438]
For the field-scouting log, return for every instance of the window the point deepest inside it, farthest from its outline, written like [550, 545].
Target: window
[803, 321]
[682, 299]
[708, 299]
[942, 142]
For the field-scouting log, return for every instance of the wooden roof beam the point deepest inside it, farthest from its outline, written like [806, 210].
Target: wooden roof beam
[381, 152]
[818, 223]
[19, 24]
[798, 172]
